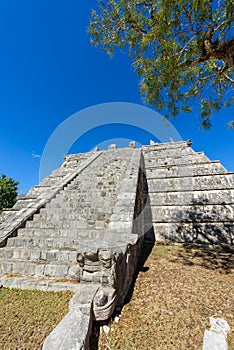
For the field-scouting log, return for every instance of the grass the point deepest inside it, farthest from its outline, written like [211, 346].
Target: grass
[27, 317]
[175, 293]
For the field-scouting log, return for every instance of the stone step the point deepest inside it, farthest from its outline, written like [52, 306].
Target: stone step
[97, 190]
[190, 197]
[102, 194]
[60, 172]
[149, 152]
[72, 195]
[190, 213]
[59, 233]
[72, 222]
[203, 232]
[87, 195]
[64, 224]
[185, 170]
[99, 239]
[39, 268]
[46, 242]
[71, 203]
[40, 195]
[168, 151]
[193, 183]
[96, 181]
[84, 210]
[195, 158]
[79, 212]
[114, 160]
[63, 221]
[43, 283]
[33, 254]
[165, 145]
[58, 214]
[53, 221]
[50, 181]
[103, 172]
[24, 202]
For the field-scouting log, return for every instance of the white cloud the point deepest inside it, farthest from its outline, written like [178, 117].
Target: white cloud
[34, 155]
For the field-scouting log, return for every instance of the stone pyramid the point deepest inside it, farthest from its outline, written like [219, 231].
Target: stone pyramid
[83, 227]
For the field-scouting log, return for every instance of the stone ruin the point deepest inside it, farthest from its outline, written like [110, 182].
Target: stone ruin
[82, 229]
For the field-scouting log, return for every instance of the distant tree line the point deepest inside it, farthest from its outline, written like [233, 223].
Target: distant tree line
[8, 192]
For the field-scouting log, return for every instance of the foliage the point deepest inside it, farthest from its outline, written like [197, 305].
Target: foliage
[183, 50]
[8, 192]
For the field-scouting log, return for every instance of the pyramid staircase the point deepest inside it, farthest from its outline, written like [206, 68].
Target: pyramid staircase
[71, 237]
[82, 228]
[90, 203]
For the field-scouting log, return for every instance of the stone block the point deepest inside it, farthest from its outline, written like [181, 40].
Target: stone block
[6, 267]
[52, 255]
[74, 272]
[39, 270]
[74, 331]
[35, 255]
[132, 144]
[61, 271]
[6, 253]
[112, 147]
[63, 255]
[50, 270]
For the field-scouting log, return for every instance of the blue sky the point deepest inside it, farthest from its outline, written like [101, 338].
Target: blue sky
[49, 71]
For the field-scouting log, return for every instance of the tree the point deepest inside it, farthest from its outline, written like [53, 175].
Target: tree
[183, 50]
[8, 192]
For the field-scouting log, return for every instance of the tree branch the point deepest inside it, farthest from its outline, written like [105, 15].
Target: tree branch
[189, 63]
[185, 46]
[208, 77]
[222, 24]
[228, 78]
[133, 25]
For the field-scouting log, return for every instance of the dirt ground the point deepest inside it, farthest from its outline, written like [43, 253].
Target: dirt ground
[175, 293]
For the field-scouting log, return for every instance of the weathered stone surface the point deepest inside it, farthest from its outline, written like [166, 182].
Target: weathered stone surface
[73, 237]
[192, 213]
[196, 183]
[73, 332]
[211, 233]
[216, 337]
[37, 197]
[113, 146]
[189, 198]
[185, 170]
[82, 228]
[132, 144]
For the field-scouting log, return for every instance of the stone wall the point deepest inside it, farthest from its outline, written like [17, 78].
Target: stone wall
[191, 198]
